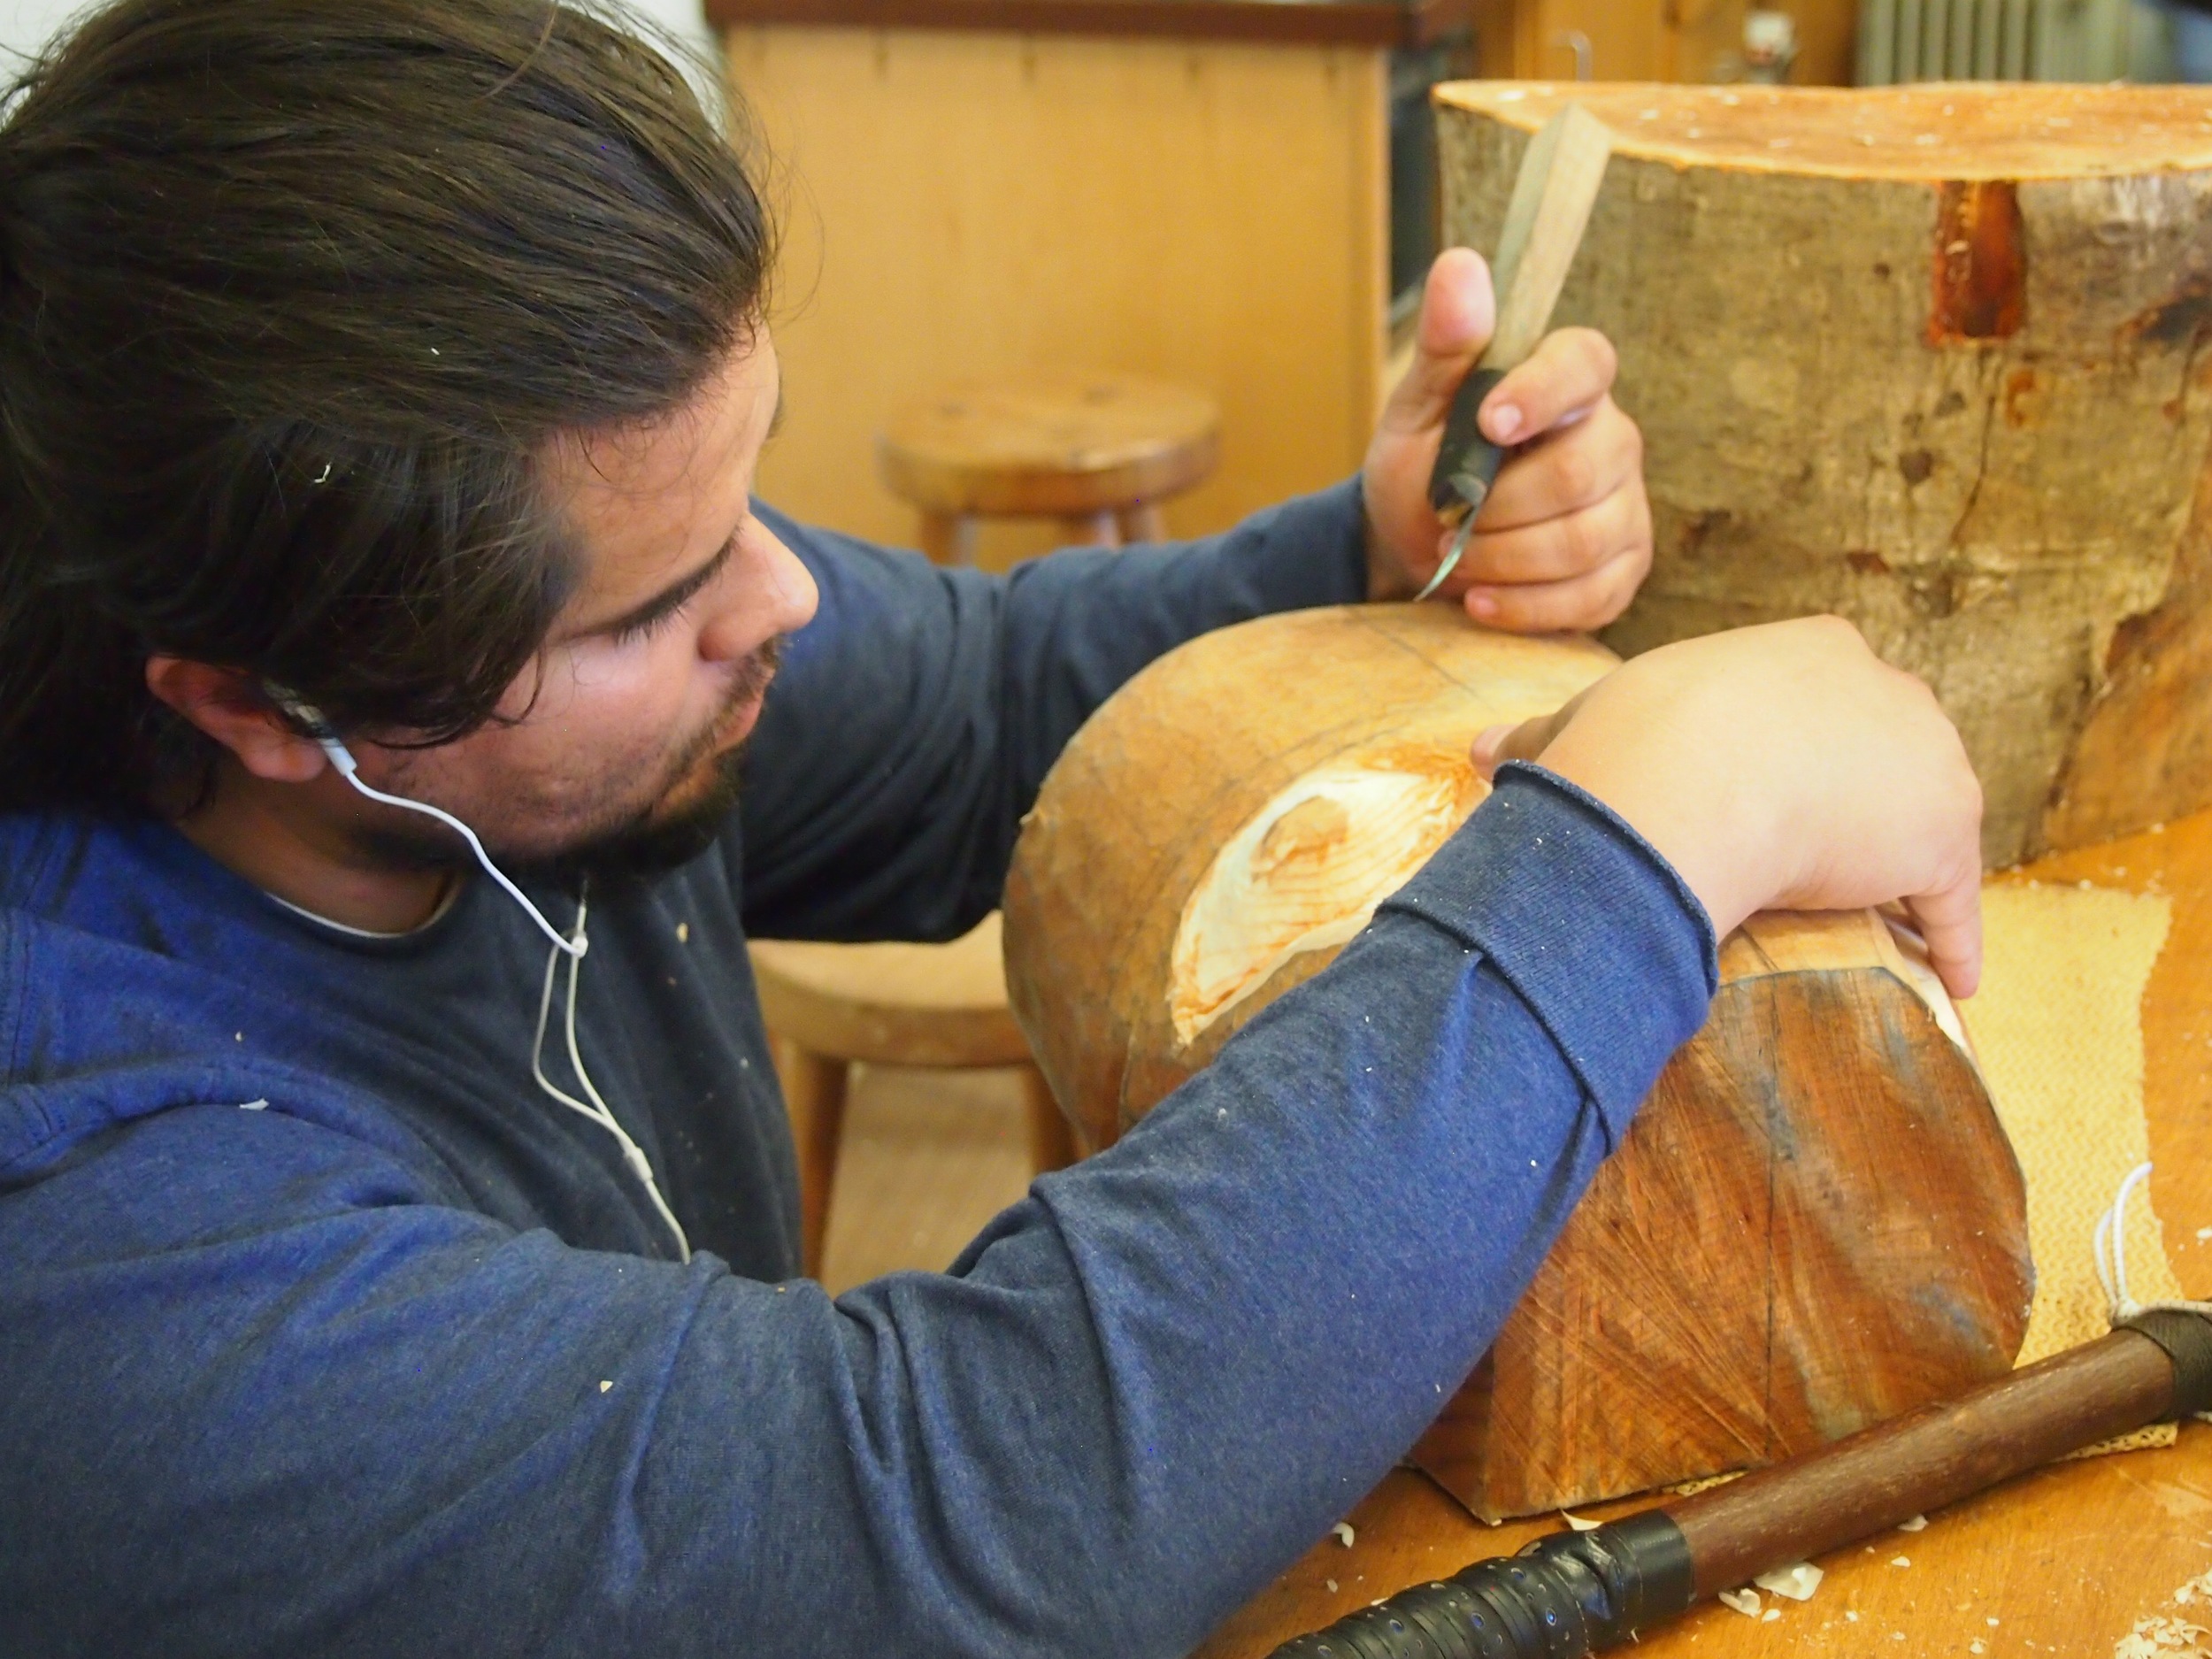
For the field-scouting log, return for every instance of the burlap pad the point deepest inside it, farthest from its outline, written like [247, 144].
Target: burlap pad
[2058, 1027]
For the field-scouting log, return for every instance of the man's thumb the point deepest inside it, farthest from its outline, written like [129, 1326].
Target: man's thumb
[1457, 315]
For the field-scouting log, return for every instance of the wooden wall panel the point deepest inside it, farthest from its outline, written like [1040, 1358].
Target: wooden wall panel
[959, 205]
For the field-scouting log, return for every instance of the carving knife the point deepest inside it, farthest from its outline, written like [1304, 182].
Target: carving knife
[1552, 197]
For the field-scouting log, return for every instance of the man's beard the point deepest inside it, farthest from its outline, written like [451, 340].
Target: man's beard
[652, 842]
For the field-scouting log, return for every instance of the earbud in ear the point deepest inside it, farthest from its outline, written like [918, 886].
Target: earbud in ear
[318, 728]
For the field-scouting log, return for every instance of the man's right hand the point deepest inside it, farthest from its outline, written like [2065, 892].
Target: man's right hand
[1783, 767]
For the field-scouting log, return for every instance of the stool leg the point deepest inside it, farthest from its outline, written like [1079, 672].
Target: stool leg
[1142, 523]
[814, 1090]
[1098, 529]
[1051, 1141]
[948, 538]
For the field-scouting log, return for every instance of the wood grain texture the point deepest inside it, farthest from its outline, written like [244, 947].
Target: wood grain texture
[1928, 358]
[2065, 1561]
[991, 206]
[1824, 1153]
[1385, 23]
[1825, 1157]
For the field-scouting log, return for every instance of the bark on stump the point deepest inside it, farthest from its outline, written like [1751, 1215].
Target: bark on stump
[1927, 356]
[1815, 1223]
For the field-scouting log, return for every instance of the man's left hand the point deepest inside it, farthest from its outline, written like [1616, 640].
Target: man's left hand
[1565, 538]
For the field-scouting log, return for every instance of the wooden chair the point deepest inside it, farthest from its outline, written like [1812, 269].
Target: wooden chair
[1098, 452]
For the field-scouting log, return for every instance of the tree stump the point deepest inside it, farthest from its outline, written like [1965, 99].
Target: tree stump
[1927, 356]
[1815, 1222]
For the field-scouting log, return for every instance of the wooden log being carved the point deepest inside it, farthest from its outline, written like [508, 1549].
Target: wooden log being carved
[1815, 1222]
[1928, 357]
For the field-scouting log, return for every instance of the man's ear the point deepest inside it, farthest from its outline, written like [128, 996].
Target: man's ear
[230, 707]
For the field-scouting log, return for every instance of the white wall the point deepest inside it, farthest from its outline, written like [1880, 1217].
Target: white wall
[28, 24]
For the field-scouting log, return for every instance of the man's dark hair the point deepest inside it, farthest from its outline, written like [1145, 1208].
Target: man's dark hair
[293, 295]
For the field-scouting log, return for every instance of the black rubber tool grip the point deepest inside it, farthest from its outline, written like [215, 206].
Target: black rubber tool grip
[1563, 1596]
[2187, 1340]
[1467, 463]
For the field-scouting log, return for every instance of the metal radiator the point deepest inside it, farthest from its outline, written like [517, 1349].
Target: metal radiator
[1993, 40]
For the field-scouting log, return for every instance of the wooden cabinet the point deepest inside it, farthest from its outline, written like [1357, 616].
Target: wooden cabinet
[1193, 190]
[1651, 39]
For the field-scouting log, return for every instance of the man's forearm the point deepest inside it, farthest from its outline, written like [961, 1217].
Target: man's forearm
[1218, 1334]
[1141, 1391]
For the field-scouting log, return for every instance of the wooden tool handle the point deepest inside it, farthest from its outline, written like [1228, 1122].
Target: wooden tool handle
[1552, 193]
[1576, 1592]
[1923, 1460]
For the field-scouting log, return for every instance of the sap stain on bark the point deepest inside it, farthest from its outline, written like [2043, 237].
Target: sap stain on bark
[1980, 288]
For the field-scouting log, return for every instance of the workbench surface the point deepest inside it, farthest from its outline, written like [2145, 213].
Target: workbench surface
[2065, 1561]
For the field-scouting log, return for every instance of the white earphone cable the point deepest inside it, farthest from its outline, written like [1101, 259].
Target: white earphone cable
[2109, 1247]
[572, 945]
[597, 1111]
[341, 757]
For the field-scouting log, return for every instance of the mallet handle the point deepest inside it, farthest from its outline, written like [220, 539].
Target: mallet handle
[1873, 1479]
[1575, 1593]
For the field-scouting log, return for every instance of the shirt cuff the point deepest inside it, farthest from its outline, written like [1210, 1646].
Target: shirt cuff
[1592, 928]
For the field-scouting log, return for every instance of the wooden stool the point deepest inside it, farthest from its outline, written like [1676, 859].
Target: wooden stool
[1098, 452]
[831, 1006]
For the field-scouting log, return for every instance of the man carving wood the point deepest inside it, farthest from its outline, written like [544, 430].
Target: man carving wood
[381, 388]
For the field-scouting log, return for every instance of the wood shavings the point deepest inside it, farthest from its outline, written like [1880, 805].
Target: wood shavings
[1691, 1488]
[1343, 1531]
[2162, 1636]
[1918, 1524]
[1769, 1615]
[1797, 1583]
[1579, 1523]
[1900, 1561]
[1745, 1601]
[2159, 1637]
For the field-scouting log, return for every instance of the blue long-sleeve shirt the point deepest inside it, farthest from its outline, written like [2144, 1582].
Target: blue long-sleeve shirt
[323, 1330]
